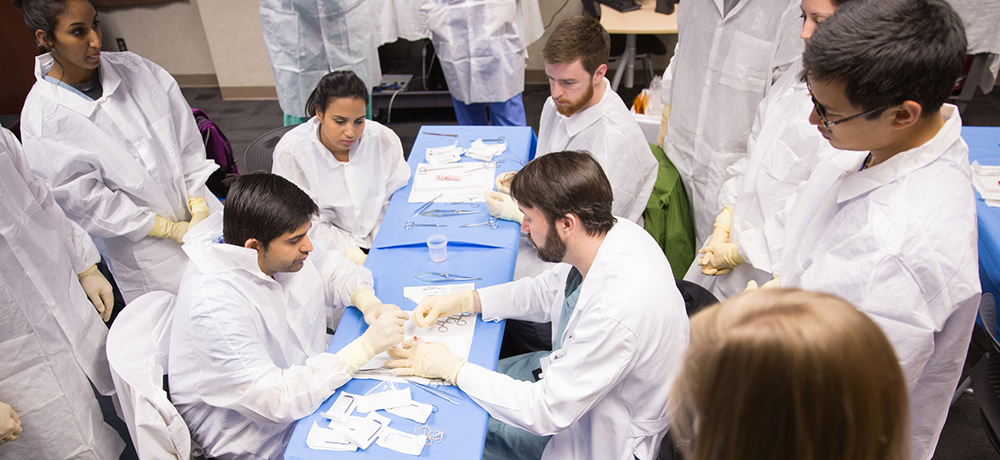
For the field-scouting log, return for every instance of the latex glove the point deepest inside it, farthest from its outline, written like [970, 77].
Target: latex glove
[356, 255]
[168, 229]
[384, 334]
[364, 299]
[442, 306]
[662, 134]
[502, 181]
[719, 259]
[429, 360]
[723, 223]
[199, 210]
[773, 284]
[10, 425]
[503, 206]
[99, 290]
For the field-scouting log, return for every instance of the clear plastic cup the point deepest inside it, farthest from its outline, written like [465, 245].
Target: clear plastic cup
[438, 246]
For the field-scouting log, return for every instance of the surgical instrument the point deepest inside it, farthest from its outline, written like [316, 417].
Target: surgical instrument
[441, 134]
[447, 212]
[435, 393]
[410, 224]
[426, 205]
[438, 277]
[492, 223]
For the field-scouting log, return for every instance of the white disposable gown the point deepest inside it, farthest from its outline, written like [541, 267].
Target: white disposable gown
[307, 39]
[783, 150]
[115, 163]
[898, 240]
[248, 351]
[482, 45]
[604, 394]
[982, 30]
[723, 65]
[399, 19]
[51, 336]
[352, 196]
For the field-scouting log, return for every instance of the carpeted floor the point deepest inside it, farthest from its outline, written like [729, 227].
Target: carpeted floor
[963, 437]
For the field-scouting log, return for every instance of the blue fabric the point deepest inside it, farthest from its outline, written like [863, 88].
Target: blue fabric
[507, 113]
[984, 146]
[572, 294]
[464, 425]
[290, 120]
[75, 89]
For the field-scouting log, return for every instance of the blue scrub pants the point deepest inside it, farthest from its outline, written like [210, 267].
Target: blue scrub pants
[508, 113]
[504, 441]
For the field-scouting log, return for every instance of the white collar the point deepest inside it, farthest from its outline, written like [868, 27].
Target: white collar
[110, 81]
[204, 247]
[584, 118]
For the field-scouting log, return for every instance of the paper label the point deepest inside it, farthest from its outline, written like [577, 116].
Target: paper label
[402, 442]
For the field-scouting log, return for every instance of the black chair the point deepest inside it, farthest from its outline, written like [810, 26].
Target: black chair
[986, 374]
[258, 157]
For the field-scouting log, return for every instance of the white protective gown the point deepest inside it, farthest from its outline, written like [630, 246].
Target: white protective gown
[783, 150]
[982, 30]
[115, 163]
[247, 351]
[399, 19]
[723, 65]
[482, 45]
[898, 240]
[604, 395]
[51, 336]
[352, 196]
[307, 39]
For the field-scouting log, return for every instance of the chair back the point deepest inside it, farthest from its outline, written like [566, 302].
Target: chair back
[988, 313]
[258, 156]
[137, 352]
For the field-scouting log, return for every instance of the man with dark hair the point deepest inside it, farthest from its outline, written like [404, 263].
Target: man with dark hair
[893, 232]
[248, 347]
[618, 320]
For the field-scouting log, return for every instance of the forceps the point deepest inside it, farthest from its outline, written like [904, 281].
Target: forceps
[447, 212]
[426, 205]
[410, 224]
[492, 224]
[499, 139]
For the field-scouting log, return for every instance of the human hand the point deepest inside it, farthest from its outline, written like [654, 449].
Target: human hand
[386, 331]
[429, 360]
[719, 259]
[442, 306]
[661, 135]
[502, 181]
[99, 291]
[503, 206]
[356, 255]
[10, 425]
[199, 210]
[372, 314]
[168, 229]
[773, 284]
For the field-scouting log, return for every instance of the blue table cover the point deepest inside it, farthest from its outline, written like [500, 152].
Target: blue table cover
[490, 255]
[984, 147]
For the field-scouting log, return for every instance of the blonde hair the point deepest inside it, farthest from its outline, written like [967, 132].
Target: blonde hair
[788, 374]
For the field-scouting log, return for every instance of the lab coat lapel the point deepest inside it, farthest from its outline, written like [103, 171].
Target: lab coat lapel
[594, 281]
[581, 120]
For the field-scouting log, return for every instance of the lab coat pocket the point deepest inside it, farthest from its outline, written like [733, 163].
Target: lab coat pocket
[640, 430]
[745, 67]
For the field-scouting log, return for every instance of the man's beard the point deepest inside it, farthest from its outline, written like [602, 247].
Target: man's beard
[577, 105]
[555, 248]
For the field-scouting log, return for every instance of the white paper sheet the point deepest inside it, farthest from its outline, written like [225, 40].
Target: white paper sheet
[417, 293]
[327, 439]
[986, 179]
[455, 332]
[465, 181]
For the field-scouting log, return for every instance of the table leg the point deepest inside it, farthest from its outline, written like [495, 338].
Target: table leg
[630, 52]
[626, 59]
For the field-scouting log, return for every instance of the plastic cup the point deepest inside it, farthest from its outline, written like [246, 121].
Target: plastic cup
[438, 247]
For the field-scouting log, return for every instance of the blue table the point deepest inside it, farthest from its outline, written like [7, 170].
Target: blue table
[396, 255]
[984, 147]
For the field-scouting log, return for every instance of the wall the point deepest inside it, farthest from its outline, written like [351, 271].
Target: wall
[234, 35]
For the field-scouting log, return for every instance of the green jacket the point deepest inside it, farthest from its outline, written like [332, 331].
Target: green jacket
[668, 216]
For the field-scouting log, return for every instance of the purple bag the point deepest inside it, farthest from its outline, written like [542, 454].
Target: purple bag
[219, 150]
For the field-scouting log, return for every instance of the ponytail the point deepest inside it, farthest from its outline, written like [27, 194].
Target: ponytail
[336, 85]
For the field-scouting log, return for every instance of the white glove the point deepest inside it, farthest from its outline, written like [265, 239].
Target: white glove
[442, 306]
[503, 206]
[99, 290]
[429, 360]
[356, 255]
[719, 259]
[10, 425]
[364, 299]
[199, 210]
[384, 334]
[662, 133]
[502, 181]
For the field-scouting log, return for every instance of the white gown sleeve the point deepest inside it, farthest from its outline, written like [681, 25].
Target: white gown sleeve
[528, 299]
[341, 277]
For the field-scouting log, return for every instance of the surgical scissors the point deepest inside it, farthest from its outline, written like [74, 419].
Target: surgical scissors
[447, 212]
[410, 224]
[467, 201]
[492, 223]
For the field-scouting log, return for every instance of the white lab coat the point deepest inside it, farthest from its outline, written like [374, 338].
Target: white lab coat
[604, 395]
[723, 66]
[247, 351]
[982, 31]
[115, 163]
[51, 337]
[898, 240]
[399, 19]
[307, 39]
[352, 196]
[482, 45]
[783, 150]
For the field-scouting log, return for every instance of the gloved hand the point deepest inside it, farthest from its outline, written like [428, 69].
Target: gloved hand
[99, 290]
[503, 206]
[10, 425]
[773, 284]
[723, 223]
[364, 299]
[356, 255]
[199, 210]
[662, 134]
[384, 334]
[719, 259]
[164, 228]
[502, 181]
[429, 360]
[442, 306]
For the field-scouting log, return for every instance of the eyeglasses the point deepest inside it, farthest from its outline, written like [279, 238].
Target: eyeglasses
[821, 111]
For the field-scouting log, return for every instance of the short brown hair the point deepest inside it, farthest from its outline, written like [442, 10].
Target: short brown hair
[579, 37]
[567, 182]
[788, 374]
